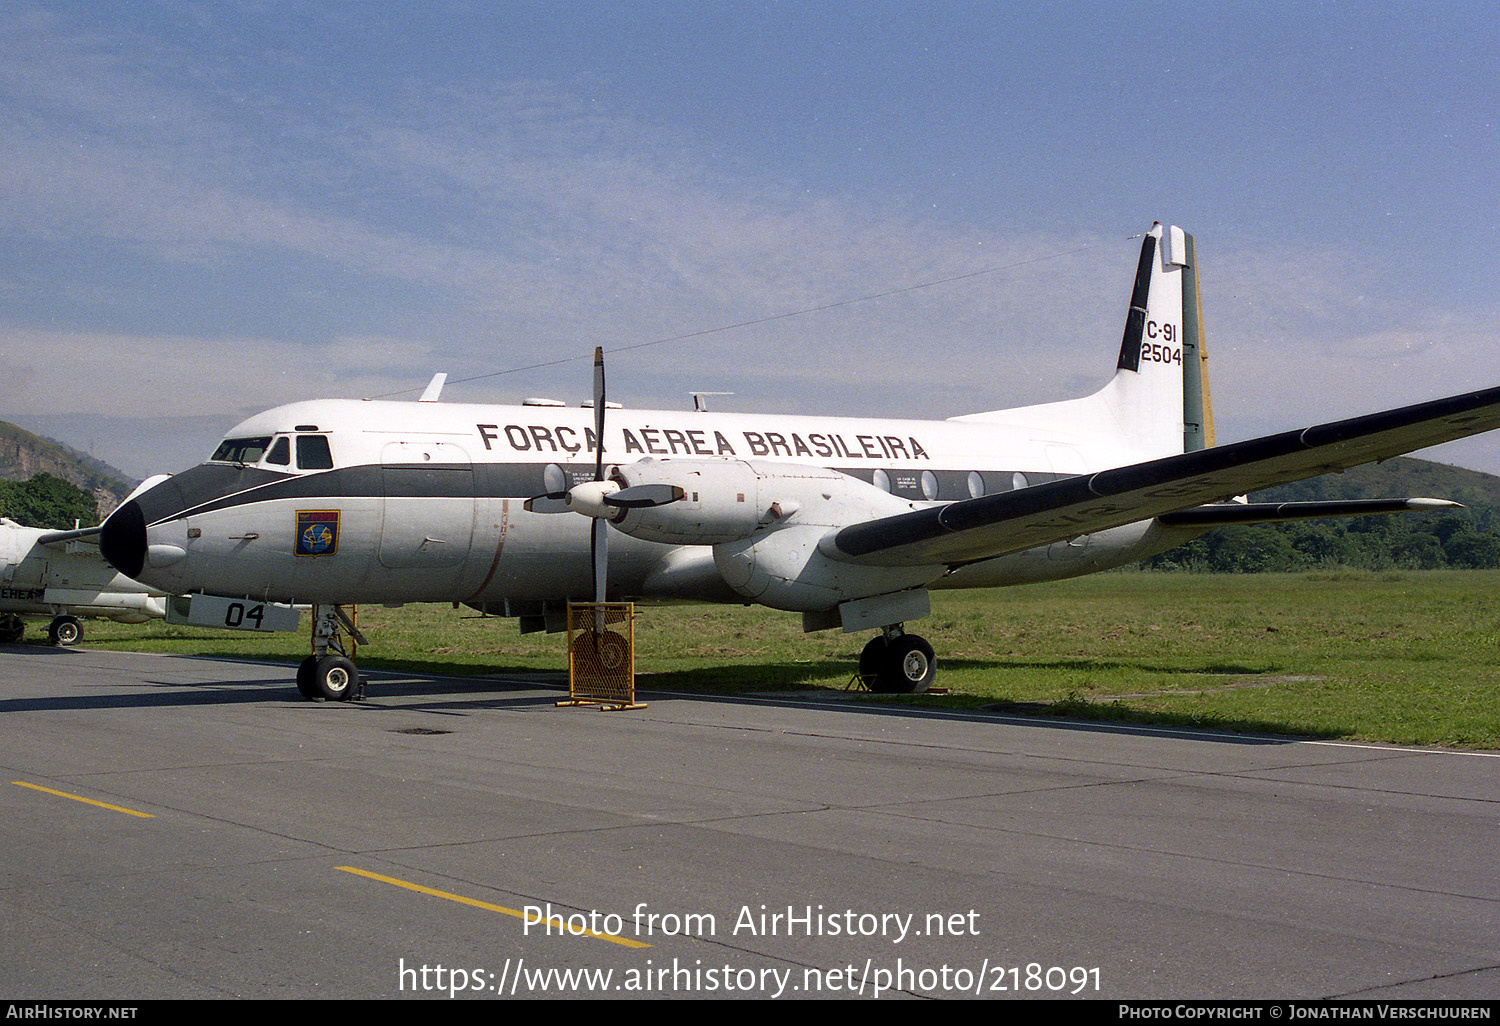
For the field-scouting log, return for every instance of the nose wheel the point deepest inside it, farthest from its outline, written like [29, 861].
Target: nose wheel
[897, 663]
[329, 673]
[331, 677]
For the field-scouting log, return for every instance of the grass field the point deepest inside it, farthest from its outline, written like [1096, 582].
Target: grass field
[1406, 657]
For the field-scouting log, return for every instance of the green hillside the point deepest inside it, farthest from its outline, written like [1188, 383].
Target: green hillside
[1467, 538]
[24, 456]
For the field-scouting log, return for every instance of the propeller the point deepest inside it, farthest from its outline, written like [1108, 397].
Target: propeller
[605, 498]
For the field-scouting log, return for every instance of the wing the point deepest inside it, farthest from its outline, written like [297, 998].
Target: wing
[996, 525]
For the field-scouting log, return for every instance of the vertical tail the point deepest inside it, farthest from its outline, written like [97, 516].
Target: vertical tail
[1158, 397]
[1157, 403]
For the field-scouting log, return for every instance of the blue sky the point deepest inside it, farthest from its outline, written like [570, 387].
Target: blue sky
[212, 208]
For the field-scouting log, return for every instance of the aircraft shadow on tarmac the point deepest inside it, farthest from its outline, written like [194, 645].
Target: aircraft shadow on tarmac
[513, 689]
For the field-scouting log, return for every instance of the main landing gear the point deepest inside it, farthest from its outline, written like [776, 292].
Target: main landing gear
[895, 662]
[329, 674]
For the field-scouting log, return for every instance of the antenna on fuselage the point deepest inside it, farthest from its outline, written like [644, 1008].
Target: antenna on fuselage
[700, 405]
[434, 389]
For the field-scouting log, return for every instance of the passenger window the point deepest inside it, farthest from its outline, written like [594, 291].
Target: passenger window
[929, 485]
[281, 453]
[313, 453]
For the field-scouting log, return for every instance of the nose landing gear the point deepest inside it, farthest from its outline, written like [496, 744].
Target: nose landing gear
[329, 673]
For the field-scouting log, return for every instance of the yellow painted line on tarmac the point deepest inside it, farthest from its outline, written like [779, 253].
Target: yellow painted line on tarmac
[556, 923]
[86, 801]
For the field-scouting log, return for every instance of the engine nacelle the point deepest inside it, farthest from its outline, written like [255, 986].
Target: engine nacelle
[723, 500]
[765, 522]
[786, 569]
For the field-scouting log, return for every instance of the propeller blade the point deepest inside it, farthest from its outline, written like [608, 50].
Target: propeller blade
[644, 496]
[599, 548]
[552, 502]
[599, 401]
[599, 537]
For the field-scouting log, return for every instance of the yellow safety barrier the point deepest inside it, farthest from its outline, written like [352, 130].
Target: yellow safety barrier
[601, 655]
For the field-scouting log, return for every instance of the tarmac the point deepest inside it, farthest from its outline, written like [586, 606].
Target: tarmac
[180, 827]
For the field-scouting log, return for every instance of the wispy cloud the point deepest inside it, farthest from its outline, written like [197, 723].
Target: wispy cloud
[215, 231]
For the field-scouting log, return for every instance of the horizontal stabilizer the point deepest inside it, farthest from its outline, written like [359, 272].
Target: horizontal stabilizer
[1222, 513]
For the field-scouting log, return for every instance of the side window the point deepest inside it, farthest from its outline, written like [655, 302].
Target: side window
[313, 453]
[241, 450]
[281, 452]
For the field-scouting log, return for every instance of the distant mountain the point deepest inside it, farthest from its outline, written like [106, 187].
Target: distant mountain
[23, 455]
[1399, 477]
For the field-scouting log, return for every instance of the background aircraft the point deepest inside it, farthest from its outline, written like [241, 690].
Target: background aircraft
[849, 521]
[61, 574]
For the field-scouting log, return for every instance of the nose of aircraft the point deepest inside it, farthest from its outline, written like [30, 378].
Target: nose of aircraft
[122, 539]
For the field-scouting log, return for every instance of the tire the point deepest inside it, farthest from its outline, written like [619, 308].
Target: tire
[910, 665]
[306, 670]
[335, 678]
[604, 655]
[65, 630]
[872, 662]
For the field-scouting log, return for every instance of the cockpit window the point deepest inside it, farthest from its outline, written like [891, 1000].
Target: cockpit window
[313, 453]
[281, 453]
[240, 450]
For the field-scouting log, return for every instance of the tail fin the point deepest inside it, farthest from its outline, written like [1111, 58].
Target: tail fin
[1157, 404]
[1158, 397]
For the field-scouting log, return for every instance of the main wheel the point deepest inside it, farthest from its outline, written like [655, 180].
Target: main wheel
[910, 666]
[604, 655]
[872, 662]
[65, 630]
[335, 678]
[306, 670]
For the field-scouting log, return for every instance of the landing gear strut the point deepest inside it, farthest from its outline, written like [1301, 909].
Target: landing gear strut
[895, 662]
[329, 673]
